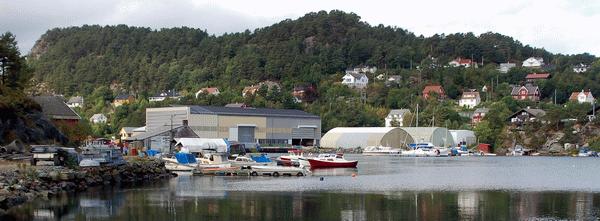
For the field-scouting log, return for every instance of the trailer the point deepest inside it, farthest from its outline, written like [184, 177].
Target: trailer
[276, 171]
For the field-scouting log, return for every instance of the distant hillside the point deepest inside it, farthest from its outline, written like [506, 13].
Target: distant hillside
[77, 60]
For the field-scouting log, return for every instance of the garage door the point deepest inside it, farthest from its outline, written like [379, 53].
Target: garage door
[246, 134]
[303, 133]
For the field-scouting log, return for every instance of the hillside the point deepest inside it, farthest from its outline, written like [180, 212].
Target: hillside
[75, 60]
[100, 62]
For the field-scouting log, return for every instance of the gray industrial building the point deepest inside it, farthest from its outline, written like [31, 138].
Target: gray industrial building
[268, 127]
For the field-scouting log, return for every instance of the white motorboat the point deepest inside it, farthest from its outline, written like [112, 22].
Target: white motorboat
[381, 150]
[243, 161]
[213, 160]
[172, 164]
[425, 150]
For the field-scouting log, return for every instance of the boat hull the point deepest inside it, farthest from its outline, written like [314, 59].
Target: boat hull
[314, 163]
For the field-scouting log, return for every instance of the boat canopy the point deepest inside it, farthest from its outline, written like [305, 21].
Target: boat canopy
[196, 145]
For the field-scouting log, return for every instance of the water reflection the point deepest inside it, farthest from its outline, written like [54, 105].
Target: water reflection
[147, 205]
[383, 189]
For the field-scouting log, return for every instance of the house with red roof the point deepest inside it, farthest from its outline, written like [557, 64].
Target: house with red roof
[434, 89]
[462, 62]
[582, 97]
[208, 90]
[538, 76]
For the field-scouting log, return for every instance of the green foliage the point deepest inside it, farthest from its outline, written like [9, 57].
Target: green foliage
[102, 61]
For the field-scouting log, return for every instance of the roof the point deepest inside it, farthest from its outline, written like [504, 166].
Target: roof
[357, 75]
[470, 94]
[463, 61]
[530, 89]
[97, 115]
[533, 111]
[538, 76]
[76, 99]
[55, 108]
[353, 137]
[238, 105]
[574, 95]
[180, 131]
[250, 111]
[210, 90]
[169, 93]
[122, 96]
[482, 110]
[398, 111]
[128, 129]
[433, 88]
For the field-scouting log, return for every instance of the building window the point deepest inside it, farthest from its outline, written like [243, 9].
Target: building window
[273, 142]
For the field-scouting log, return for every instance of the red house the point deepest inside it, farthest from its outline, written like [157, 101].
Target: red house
[55, 109]
[437, 89]
[527, 92]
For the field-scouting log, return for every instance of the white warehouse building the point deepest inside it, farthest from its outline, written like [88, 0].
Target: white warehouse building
[396, 137]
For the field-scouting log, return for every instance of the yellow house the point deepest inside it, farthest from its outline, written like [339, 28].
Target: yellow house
[122, 99]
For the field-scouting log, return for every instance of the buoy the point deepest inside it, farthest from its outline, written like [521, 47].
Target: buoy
[353, 174]
[321, 179]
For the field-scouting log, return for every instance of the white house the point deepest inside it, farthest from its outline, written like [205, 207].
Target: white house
[582, 97]
[580, 68]
[505, 67]
[355, 80]
[469, 99]
[164, 95]
[75, 102]
[396, 115]
[98, 118]
[533, 62]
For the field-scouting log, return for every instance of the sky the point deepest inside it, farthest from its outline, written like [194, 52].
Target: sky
[560, 26]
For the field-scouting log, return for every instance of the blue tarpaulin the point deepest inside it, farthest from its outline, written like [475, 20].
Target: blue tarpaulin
[261, 158]
[152, 153]
[185, 158]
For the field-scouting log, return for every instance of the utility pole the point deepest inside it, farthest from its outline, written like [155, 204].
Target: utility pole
[172, 133]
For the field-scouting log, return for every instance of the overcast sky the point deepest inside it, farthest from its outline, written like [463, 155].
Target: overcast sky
[560, 26]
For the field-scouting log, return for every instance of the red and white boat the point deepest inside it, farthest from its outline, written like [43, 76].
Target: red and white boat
[331, 161]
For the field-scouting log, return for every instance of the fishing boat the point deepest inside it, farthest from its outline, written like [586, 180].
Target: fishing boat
[331, 161]
[381, 150]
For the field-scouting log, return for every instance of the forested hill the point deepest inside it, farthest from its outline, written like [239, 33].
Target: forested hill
[77, 60]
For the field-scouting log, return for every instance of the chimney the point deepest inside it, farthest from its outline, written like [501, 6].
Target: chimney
[185, 123]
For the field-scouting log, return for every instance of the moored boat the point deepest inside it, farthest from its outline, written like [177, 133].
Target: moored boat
[425, 150]
[331, 161]
[380, 150]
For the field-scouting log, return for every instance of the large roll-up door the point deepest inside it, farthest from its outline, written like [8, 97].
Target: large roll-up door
[246, 134]
[303, 133]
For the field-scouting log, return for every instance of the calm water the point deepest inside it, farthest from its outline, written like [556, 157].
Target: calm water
[384, 188]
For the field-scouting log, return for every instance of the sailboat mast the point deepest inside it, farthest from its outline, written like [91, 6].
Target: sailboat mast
[417, 124]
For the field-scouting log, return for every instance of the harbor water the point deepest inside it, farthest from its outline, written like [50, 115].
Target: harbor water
[381, 188]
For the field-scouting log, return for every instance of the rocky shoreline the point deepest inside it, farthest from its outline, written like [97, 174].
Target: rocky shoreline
[26, 183]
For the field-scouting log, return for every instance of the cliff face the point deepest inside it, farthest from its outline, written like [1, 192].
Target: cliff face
[22, 119]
